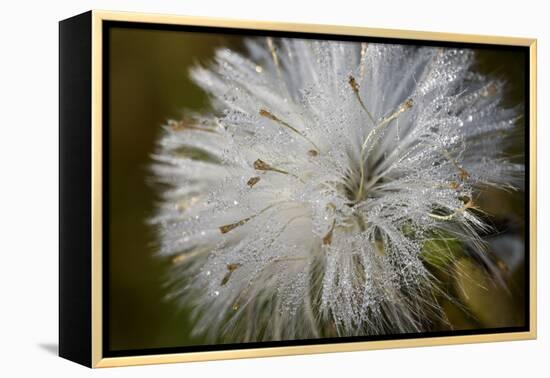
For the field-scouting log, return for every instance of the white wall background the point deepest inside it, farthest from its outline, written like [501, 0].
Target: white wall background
[29, 174]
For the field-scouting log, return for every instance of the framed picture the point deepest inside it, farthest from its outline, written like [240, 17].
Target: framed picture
[235, 189]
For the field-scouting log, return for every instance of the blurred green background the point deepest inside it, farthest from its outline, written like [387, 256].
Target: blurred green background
[149, 83]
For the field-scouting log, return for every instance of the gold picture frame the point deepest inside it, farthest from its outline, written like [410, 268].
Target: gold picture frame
[89, 329]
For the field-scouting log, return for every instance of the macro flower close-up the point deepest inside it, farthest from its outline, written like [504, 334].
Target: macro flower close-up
[334, 189]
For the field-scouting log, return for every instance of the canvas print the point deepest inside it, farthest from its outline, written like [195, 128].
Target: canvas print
[271, 188]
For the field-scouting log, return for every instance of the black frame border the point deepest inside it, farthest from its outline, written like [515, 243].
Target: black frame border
[75, 189]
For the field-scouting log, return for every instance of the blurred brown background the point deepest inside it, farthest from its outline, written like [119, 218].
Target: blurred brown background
[148, 84]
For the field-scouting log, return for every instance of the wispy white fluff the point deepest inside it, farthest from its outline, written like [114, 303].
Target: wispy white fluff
[300, 206]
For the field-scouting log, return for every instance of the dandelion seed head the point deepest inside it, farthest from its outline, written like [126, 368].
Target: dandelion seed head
[304, 200]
